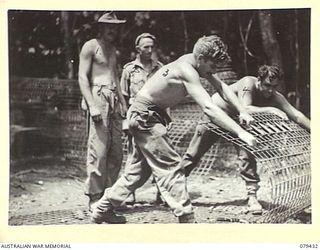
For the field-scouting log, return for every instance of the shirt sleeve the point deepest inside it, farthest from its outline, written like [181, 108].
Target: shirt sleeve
[124, 82]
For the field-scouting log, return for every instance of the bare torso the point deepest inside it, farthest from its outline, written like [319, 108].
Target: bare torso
[103, 63]
[244, 85]
[165, 88]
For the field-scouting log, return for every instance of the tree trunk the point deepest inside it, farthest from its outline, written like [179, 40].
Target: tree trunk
[67, 44]
[269, 42]
[297, 58]
[185, 32]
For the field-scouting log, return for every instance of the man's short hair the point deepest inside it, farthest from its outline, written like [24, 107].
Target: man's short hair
[144, 35]
[213, 48]
[272, 72]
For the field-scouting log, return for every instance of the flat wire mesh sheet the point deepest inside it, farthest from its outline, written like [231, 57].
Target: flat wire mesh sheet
[283, 150]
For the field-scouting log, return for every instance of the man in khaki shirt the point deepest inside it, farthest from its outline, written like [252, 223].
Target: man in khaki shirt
[137, 72]
[134, 76]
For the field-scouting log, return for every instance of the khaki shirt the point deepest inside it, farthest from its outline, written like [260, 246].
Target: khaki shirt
[134, 77]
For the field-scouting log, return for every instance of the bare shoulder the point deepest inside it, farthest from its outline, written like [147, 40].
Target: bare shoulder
[185, 70]
[248, 82]
[89, 46]
[249, 79]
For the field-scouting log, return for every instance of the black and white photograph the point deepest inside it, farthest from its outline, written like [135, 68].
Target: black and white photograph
[159, 116]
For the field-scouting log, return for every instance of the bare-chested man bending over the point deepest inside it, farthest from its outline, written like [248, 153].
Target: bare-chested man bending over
[152, 151]
[257, 94]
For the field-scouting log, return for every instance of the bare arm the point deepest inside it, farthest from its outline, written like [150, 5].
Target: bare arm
[246, 90]
[216, 115]
[282, 103]
[85, 63]
[227, 94]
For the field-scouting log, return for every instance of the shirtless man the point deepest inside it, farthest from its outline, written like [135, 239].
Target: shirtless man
[256, 94]
[100, 88]
[152, 151]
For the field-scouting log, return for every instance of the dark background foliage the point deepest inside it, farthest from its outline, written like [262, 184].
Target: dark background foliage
[46, 44]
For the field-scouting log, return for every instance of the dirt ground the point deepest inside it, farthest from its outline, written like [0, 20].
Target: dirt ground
[50, 191]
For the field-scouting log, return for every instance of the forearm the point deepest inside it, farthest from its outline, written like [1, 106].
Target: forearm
[168, 111]
[226, 93]
[220, 118]
[126, 98]
[86, 91]
[303, 121]
[232, 98]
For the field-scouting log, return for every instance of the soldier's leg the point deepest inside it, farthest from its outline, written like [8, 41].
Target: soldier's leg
[248, 172]
[96, 161]
[132, 198]
[135, 175]
[200, 143]
[98, 145]
[168, 173]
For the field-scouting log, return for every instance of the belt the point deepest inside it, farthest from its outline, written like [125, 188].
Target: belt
[107, 86]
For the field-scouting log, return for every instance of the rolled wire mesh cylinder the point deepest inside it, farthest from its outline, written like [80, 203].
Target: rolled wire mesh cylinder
[283, 153]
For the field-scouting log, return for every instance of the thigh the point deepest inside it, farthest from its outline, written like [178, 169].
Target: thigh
[156, 147]
[98, 139]
[136, 165]
[152, 139]
[103, 105]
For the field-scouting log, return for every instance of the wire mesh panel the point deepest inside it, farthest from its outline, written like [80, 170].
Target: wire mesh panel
[283, 150]
[222, 155]
[45, 118]
[51, 108]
